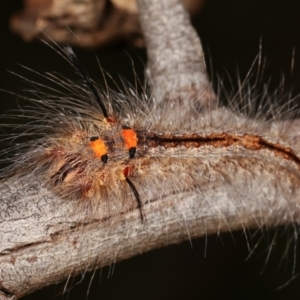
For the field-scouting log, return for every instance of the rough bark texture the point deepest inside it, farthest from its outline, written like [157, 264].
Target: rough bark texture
[175, 61]
[44, 240]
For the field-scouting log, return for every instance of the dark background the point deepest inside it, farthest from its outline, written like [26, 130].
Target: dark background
[218, 267]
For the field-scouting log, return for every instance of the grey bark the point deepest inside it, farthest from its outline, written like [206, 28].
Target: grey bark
[175, 55]
[44, 240]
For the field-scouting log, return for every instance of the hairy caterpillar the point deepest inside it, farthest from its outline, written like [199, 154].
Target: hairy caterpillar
[195, 109]
[71, 134]
[90, 151]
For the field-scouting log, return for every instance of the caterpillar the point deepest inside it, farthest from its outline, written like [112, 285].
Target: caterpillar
[148, 150]
[90, 152]
[97, 148]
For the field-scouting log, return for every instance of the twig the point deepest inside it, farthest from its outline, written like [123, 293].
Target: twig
[43, 240]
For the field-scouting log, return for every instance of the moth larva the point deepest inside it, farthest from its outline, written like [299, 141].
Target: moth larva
[195, 172]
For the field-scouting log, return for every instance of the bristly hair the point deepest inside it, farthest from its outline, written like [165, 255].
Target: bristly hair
[173, 143]
[75, 62]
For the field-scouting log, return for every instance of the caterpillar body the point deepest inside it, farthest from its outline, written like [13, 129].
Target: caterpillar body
[112, 147]
[109, 153]
[112, 159]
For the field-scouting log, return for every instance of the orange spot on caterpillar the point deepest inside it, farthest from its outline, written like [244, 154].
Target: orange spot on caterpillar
[99, 148]
[123, 173]
[126, 171]
[130, 138]
[110, 120]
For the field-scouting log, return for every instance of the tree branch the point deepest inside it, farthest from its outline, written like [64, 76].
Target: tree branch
[44, 239]
[176, 62]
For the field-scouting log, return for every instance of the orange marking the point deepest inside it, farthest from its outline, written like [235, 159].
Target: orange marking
[126, 172]
[98, 147]
[110, 120]
[130, 138]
